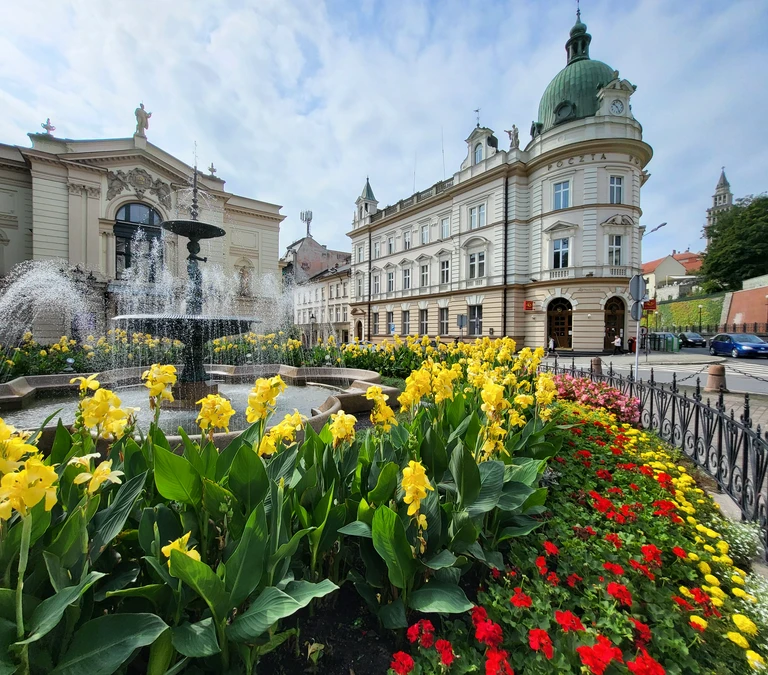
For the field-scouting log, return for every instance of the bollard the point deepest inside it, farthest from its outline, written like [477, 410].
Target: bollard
[716, 378]
[597, 366]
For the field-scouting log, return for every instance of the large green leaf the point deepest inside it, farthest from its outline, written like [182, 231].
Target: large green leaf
[288, 549]
[439, 598]
[466, 475]
[176, 478]
[433, 454]
[107, 524]
[246, 565]
[491, 483]
[282, 466]
[103, 644]
[357, 528]
[391, 543]
[455, 411]
[123, 574]
[49, 612]
[521, 526]
[513, 495]
[273, 605]
[385, 484]
[67, 544]
[158, 594]
[7, 638]
[217, 500]
[196, 640]
[443, 559]
[62, 442]
[203, 580]
[393, 615]
[248, 478]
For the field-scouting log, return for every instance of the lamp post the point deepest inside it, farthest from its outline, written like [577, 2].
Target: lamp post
[700, 308]
[656, 313]
[311, 328]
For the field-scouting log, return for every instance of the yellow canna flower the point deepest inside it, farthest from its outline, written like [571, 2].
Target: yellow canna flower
[415, 484]
[180, 545]
[86, 383]
[27, 487]
[13, 446]
[214, 413]
[102, 473]
[737, 639]
[744, 624]
[342, 428]
[263, 397]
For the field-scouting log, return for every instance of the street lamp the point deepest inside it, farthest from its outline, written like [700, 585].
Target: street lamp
[656, 313]
[658, 227]
[311, 328]
[700, 308]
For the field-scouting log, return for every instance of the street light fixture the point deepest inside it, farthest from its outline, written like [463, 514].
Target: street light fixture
[656, 313]
[658, 227]
[700, 308]
[311, 328]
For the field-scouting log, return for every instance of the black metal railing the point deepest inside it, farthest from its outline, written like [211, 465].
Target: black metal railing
[728, 449]
[711, 329]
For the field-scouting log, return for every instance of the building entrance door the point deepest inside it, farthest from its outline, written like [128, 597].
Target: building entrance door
[359, 330]
[614, 321]
[560, 323]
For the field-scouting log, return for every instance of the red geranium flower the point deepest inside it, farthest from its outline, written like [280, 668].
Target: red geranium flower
[642, 568]
[646, 471]
[489, 633]
[652, 554]
[550, 548]
[664, 480]
[614, 539]
[445, 649]
[590, 530]
[540, 641]
[604, 474]
[598, 657]
[541, 563]
[634, 486]
[679, 552]
[586, 454]
[616, 491]
[574, 579]
[553, 579]
[620, 592]
[402, 663]
[645, 665]
[613, 568]
[495, 573]
[568, 621]
[643, 630]
[496, 663]
[520, 599]
[478, 615]
[682, 602]
[696, 626]
[423, 631]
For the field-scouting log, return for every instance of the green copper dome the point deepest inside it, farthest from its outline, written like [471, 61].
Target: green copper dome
[572, 94]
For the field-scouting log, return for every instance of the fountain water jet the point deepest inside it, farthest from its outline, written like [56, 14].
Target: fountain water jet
[194, 328]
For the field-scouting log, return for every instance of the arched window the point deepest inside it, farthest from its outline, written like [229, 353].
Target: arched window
[478, 153]
[137, 232]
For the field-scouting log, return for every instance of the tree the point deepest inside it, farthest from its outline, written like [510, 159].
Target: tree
[738, 245]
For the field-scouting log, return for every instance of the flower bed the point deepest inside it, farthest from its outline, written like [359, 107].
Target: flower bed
[630, 573]
[598, 395]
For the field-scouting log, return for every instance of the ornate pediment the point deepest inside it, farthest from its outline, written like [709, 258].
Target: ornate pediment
[140, 181]
[619, 84]
[561, 225]
[620, 219]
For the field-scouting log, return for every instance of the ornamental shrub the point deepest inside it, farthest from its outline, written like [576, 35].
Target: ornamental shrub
[598, 395]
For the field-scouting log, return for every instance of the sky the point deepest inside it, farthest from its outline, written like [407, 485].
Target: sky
[297, 101]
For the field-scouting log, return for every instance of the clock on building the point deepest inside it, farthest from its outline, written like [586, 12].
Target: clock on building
[617, 107]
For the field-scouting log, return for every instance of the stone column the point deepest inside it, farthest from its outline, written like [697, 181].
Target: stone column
[76, 224]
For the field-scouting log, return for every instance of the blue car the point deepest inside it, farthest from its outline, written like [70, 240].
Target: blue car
[738, 344]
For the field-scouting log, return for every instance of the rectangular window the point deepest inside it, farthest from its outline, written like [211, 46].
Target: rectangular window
[390, 282]
[322, 293]
[476, 265]
[376, 250]
[475, 319]
[390, 323]
[360, 254]
[423, 322]
[443, 321]
[316, 292]
[562, 194]
[344, 313]
[375, 323]
[330, 292]
[406, 279]
[406, 240]
[477, 217]
[445, 274]
[338, 290]
[406, 322]
[425, 234]
[322, 315]
[338, 313]
[424, 276]
[616, 190]
[473, 218]
[376, 284]
[345, 289]
[560, 248]
[481, 215]
[445, 228]
[614, 249]
[391, 245]
[359, 287]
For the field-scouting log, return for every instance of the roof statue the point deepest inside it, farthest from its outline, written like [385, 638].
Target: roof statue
[142, 120]
[514, 137]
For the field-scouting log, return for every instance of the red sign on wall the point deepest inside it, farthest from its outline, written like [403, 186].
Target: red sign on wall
[650, 305]
[528, 305]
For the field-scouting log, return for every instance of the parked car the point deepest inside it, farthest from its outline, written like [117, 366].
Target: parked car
[691, 340]
[738, 345]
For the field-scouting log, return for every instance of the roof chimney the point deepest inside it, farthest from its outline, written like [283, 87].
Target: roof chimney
[674, 251]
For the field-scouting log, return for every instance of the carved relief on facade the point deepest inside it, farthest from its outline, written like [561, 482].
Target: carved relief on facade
[140, 181]
[75, 189]
[93, 192]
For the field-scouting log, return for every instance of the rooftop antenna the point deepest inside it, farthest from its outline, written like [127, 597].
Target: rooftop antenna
[477, 112]
[306, 218]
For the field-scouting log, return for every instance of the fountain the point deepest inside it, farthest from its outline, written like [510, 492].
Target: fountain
[193, 328]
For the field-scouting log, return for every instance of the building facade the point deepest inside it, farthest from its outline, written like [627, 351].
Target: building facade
[675, 274]
[321, 305]
[533, 242]
[722, 201]
[84, 201]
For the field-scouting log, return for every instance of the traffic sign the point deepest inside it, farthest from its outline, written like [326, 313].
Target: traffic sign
[461, 321]
[636, 311]
[637, 287]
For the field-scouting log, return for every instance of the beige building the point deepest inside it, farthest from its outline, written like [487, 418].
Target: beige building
[321, 304]
[528, 242]
[84, 201]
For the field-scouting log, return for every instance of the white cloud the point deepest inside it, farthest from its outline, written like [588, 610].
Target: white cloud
[297, 101]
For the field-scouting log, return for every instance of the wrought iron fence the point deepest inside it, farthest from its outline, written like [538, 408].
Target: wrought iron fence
[712, 329]
[728, 449]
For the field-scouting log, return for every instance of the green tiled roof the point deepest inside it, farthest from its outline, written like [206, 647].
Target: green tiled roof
[577, 83]
[368, 191]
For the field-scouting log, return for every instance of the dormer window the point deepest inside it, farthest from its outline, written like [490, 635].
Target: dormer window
[478, 153]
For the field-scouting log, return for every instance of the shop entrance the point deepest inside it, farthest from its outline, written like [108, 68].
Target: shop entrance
[560, 323]
[614, 322]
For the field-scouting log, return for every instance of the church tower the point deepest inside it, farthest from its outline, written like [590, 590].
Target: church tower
[722, 201]
[366, 206]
